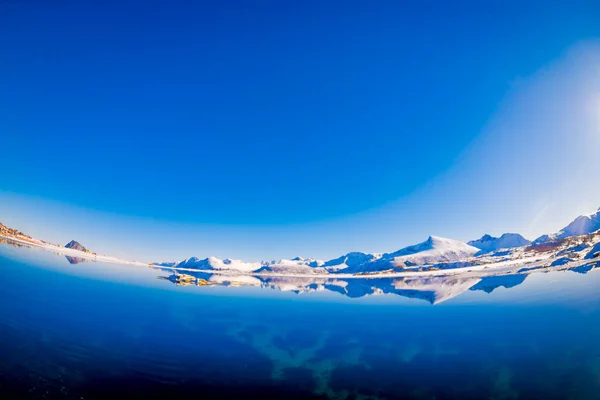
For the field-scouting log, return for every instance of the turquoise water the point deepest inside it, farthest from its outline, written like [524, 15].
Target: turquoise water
[91, 330]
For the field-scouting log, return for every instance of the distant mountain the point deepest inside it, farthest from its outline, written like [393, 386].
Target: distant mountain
[434, 250]
[296, 265]
[213, 263]
[489, 243]
[354, 261]
[165, 263]
[545, 239]
[582, 225]
[75, 246]
[436, 253]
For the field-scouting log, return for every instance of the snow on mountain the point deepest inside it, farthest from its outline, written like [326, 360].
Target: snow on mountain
[291, 268]
[433, 250]
[560, 261]
[213, 263]
[582, 225]
[297, 261]
[350, 262]
[545, 239]
[165, 263]
[296, 266]
[595, 252]
[489, 243]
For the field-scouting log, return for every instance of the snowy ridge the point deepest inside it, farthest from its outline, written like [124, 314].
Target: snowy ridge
[576, 247]
[434, 254]
[433, 250]
[213, 263]
[489, 243]
[582, 225]
[354, 261]
[298, 264]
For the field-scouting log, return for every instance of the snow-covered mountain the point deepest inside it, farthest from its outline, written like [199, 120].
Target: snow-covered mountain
[296, 265]
[354, 261]
[545, 238]
[582, 225]
[434, 254]
[213, 263]
[432, 251]
[489, 243]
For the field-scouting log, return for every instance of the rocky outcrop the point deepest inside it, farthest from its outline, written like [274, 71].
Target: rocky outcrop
[75, 246]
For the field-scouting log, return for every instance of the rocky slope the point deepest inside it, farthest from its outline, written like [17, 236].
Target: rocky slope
[75, 246]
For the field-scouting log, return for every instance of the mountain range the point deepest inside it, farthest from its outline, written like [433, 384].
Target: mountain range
[489, 243]
[433, 253]
[433, 289]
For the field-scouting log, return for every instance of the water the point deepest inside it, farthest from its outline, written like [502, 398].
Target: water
[92, 331]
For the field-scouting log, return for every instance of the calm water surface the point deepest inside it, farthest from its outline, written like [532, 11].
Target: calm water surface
[91, 331]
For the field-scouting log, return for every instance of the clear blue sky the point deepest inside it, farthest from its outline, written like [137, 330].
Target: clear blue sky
[271, 129]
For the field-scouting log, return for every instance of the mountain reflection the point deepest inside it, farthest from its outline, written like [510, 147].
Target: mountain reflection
[13, 243]
[75, 260]
[433, 289]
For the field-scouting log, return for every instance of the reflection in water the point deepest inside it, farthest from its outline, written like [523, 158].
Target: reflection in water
[13, 243]
[433, 289]
[490, 283]
[75, 260]
[70, 259]
[100, 338]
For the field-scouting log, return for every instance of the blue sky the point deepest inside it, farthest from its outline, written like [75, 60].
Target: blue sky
[274, 129]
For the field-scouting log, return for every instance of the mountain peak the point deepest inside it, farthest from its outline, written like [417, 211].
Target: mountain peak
[435, 249]
[75, 246]
[489, 243]
[581, 225]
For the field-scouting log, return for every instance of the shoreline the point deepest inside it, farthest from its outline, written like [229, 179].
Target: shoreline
[477, 270]
[71, 252]
[532, 264]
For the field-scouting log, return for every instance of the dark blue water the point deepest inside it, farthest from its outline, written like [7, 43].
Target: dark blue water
[93, 331]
